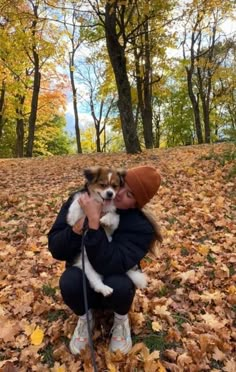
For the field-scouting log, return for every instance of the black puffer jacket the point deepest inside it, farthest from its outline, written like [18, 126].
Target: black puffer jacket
[130, 242]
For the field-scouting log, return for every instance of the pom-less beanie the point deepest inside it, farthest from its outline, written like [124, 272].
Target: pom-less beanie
[144, 182]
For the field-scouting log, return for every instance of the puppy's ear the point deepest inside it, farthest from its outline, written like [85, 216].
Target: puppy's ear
[121, 173]
[91, 173]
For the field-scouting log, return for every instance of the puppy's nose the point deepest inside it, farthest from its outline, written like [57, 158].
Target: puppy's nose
[109, 194]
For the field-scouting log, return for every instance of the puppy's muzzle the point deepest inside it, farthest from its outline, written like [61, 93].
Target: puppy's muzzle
[109, 194]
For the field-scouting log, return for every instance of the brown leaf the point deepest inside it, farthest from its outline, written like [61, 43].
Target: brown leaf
[9, 329]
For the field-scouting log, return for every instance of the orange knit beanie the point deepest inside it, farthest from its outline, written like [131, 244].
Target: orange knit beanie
[144, 181]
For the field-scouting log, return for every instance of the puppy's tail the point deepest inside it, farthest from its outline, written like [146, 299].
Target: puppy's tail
[138, 278]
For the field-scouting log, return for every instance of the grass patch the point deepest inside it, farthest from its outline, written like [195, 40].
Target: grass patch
[49, 291]
[180, 320]
[217, 364]
[52, 316]
[47, 355]
[211, 259]
[65, 340]
[176, 283]
[234, 308]
[155, 341]
[172, 220]
[197, 264]
[162, 292]
[184, 252]
[232, 270]
[226, 156]
[232, 172]
[2, 357]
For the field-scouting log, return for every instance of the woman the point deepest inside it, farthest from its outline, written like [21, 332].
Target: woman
[130, 243]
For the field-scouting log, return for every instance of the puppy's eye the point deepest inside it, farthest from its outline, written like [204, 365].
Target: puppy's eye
[103, 185]
[114, 186]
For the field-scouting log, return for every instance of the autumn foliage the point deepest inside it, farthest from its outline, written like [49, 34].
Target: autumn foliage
[183, 321]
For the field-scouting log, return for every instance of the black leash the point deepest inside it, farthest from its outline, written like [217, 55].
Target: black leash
[84, 231]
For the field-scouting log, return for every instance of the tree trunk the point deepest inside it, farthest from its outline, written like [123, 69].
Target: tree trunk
[36, 89]
[204, 92]
[206, 119]
[34, 107]
[195, 105]
[20, 127]
[98, 141]
[116, 53]
[74, 94]
[147, 92]
[2, 99]
[157, 134]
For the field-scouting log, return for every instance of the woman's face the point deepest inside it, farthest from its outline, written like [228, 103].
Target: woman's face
[124, 198]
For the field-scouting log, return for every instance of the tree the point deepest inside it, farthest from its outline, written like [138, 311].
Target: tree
[2, 101]
[51, 138]
[26, 36]
[224, 92]
[204, 18]
[114, 21]
[73, 33]
[98, 94]
[148, 46]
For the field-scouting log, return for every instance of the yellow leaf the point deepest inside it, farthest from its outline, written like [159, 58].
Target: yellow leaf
[203, 249]
[174, 264]
[111, 367]
[58, 368]
[156, 326]
[190, 171]
[232, 289]
[37, 336]
[161, 368]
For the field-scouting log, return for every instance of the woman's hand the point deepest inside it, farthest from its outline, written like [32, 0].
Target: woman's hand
[92, 209]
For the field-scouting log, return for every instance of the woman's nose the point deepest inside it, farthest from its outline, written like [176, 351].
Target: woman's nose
[120, 192]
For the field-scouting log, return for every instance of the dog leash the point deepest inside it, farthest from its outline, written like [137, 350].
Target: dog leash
[84, 231]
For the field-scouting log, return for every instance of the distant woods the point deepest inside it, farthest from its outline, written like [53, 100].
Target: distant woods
[138, 74]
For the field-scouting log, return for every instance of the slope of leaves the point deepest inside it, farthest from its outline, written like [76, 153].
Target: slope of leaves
[183, 321]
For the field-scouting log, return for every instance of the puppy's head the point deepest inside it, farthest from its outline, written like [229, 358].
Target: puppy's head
[104, 183]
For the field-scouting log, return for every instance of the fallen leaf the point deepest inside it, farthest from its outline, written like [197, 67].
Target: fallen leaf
[230, 366]
[218, 355]
[156, 326]
[214, 322]
[9, 329]
[37, 336]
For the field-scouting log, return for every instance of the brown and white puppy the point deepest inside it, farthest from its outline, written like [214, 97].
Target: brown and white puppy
[102, 184]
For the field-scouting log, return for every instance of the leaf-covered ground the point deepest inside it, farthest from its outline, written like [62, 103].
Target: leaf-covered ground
[183, 321]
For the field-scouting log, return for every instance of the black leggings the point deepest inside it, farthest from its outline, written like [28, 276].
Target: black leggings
[71, 285]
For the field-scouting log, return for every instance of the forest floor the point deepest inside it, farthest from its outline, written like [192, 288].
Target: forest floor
[183, 321]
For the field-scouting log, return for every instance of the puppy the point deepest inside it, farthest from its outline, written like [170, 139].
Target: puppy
[102, 184]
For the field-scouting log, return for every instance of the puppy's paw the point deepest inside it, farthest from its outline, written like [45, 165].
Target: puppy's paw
[110, 220]
[106, 220]
[105, 290]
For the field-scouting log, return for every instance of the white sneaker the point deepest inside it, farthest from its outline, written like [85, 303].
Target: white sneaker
[121, 337]
[79, 340]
